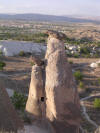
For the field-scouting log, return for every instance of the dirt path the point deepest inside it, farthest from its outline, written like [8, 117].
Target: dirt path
[85, 112]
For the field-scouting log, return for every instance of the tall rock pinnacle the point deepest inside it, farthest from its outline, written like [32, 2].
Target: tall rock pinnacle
[62, 101]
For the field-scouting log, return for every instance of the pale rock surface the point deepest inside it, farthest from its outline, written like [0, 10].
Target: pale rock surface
[11, 48]
[10, 92]
[62, 101]
[34, 103]
[95, 65]
[97, 130]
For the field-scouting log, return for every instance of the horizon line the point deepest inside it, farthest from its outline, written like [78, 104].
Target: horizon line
[64, 15]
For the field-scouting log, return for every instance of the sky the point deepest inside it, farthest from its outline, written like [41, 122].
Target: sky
[53, 7]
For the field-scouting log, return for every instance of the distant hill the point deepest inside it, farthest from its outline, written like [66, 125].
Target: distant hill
[52, 18]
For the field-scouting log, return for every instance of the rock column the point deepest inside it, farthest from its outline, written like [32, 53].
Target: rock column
[36, 96]
[62, 101]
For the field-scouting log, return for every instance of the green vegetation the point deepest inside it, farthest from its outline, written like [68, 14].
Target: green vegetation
[70, 61]
[19, 101]
[83, 40]
[96, 103]
[84, 50]
[2, 65]
[35, 37]
[78, 75]
[21, 53]
[81, 85]
[32, 63]
[98, 64]
[76, 55]
[1, 53]
[99, 81]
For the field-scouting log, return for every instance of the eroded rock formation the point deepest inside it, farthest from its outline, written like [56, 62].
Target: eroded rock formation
[9, 120]
[62, 110]
[97, 130]
[62, 101]
[36, 93]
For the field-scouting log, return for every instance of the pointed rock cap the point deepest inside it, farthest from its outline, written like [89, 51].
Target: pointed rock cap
[55, 34]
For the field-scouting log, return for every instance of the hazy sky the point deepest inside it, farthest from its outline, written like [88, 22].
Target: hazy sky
[56, 7]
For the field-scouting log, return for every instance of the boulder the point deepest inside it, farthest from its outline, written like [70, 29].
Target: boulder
[95, 65]
[62, 100]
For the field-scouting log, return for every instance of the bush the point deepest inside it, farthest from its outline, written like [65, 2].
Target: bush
[98, 64]
[69, 54]
[21, 53]
[2, 65]
[84, 50]
[78, 75]
[81, 85]
[70, 61]
[19, 101]
[99, 81]
[76, 55]
[1, 53]
[96, 103]
[96, 55]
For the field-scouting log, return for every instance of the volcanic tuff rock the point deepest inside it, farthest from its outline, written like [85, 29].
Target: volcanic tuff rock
[53, 94]
[62, 101]
[9, 120]
[97, 130]
[36, 92]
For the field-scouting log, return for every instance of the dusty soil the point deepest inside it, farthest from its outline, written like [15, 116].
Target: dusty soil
[92, 87]
[16, 76]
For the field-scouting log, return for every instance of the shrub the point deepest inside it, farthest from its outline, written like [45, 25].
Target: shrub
[76, 55]
[69, 54]
[70, 61]
[99, 81]
[78, 75]
[32, 63]
[1, 53]
[98, 64]
[96, 103]
[88, 90]
[84, 50]
[19, 101]
[87, 56]
[21, 53]
[96, 55]
[2, 65]
[81, 85]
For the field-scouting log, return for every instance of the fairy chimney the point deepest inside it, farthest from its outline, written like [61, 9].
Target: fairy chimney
[62, 101]
[36, 92]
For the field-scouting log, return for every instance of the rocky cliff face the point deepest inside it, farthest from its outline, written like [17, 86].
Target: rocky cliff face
[62, 110]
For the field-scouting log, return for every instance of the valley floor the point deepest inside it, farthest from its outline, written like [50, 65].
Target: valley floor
[16, 76]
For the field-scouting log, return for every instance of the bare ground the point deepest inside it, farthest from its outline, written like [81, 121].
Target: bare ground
[16, 76]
